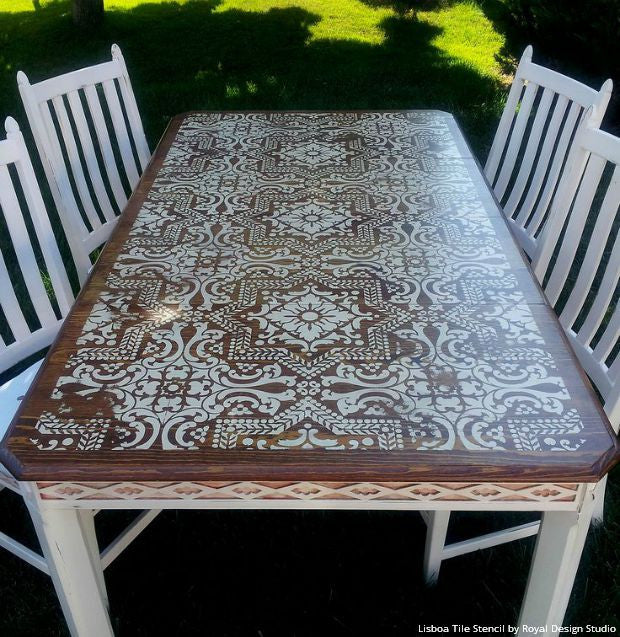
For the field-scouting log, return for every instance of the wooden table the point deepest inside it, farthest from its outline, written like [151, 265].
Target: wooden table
[310, 310]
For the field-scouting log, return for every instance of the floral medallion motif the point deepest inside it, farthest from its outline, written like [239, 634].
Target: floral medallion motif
[311, 318]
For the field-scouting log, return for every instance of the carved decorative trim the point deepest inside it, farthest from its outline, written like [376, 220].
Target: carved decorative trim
[365, 491]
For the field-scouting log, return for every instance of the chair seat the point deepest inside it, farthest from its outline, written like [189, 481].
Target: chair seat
[12, 392]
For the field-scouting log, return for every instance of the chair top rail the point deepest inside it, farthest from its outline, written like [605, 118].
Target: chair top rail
[72, 81]
[10, 151]
[600, 143]
[575, 90]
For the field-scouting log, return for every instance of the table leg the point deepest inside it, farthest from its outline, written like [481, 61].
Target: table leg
[599, 504]
[559, 545]
[437, 527]
[87, 521]
[70, 549]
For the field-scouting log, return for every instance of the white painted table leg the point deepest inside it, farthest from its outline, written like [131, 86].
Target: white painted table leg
[559, 545]
[437, 527]
[599, 502]
[87, 522]
[69, 546]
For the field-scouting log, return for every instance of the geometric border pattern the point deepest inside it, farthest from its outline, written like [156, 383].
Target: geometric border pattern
[269, 490]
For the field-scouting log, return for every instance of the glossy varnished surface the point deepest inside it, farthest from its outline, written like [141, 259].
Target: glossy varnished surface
[311, 296]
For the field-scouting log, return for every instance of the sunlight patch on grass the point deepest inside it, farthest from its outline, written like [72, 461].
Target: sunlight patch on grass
[272, 54]
[339, 19]
[467, 35]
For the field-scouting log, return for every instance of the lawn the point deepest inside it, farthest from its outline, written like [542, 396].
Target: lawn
[291, 573]
[271, 54]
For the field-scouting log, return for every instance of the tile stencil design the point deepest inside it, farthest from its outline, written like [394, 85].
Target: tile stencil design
[312, 281]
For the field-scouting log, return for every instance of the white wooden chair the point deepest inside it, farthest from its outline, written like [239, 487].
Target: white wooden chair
[582, 292]
[533, 140]
[26, 339]
[81, 122]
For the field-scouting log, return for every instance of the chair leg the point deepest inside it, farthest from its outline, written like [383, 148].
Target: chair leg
[437, 527]
[599, 502]
[129, 534]
[561, 539]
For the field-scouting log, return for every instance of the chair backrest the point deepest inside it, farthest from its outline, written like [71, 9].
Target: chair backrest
[83, 123]
[533, 139]
[578, 259]
[19, 193]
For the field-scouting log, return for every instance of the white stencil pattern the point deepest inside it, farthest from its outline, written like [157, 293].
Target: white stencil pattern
[312, 281]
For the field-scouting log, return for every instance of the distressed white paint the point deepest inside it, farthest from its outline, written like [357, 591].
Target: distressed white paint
[558, 550]
[533, 139]
[57, 107]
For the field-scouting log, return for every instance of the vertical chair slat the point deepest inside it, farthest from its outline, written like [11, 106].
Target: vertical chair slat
[10, 305]
[508, 115]
[92, 99]
[503, 129]
[74, 162]
[57, 175]
[603, 299]
[559, 158]
[515, 139]
[613, 371]
[542, 166]
[131, 108]
[531, 150]
[89, 155]
[135, 123]
[612, 402]
[120, 130]
[14, 219]
[608, 340]
[592, 259]
[576, 223]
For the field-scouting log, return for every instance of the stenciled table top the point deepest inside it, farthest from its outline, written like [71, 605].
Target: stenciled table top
[311, 296]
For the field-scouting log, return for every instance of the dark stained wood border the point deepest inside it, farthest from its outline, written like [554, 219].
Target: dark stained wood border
[211, 464]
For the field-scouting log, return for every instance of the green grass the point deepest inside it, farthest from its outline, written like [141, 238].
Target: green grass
[290, 573]
[273, 55]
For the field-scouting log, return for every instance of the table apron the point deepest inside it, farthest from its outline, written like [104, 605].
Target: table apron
[323, 503]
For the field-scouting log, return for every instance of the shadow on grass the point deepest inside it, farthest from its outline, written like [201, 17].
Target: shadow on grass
[560, 48]
[185, 57]
[404, 7]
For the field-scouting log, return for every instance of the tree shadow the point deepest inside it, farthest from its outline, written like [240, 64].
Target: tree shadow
[193, 56]
[559, 49]
[404, 7]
